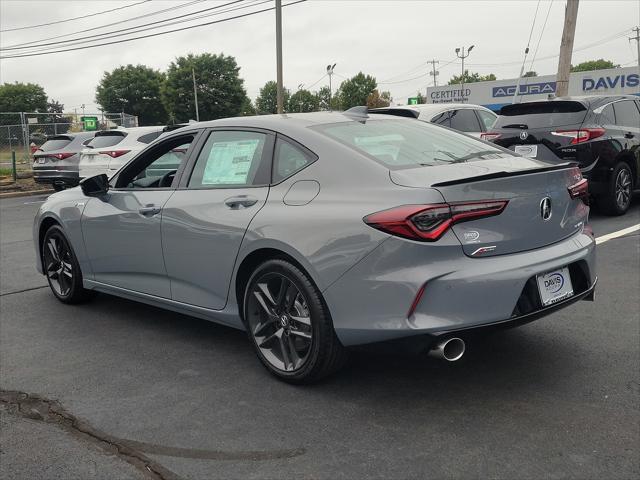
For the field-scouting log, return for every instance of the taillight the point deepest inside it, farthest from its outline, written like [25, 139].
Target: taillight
[429, 222]
[488, 136]
[115, 153]
[581, 135]
[62, 156]
[580, 190]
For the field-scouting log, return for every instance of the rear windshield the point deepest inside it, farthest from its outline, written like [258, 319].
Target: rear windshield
[405, 144]
[149, 137]
[55, 144]
[106, 140]
[541, 114]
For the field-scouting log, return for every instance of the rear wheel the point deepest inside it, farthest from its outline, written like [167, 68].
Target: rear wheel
[289, 325]
[617, 199]
[61, 267]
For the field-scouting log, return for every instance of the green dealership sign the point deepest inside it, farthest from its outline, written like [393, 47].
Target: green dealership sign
[89, 123]
[412, 101]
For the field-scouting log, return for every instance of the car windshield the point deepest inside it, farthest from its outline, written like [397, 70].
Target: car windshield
[405, 144]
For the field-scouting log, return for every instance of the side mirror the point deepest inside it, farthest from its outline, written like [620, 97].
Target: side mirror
[95, 186]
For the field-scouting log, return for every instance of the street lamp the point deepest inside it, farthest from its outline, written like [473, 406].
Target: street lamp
[330, 73]
[462, 56]
[300, 102]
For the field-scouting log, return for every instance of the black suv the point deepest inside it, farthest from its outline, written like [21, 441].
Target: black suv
[601, 134]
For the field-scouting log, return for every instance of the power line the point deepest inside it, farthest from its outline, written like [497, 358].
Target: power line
[103, 26]
[151, 34]
[316, 82]
[140, 28]
[74, 18]
[535, 52]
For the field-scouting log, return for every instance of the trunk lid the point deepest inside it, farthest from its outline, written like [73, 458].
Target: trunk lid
[528, 186]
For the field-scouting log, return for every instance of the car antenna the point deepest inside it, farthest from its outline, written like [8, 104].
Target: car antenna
[360, 113]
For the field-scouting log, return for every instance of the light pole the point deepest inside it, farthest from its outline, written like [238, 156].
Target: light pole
[300, 102]
[330, 73]
[279, 87]
[195, 93]
[462, 56]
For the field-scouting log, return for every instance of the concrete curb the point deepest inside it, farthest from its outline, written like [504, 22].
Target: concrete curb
[27, 193]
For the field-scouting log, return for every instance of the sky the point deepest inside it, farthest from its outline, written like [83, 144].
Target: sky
[391, 40]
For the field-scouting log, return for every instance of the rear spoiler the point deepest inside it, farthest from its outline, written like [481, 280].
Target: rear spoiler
[491, 176]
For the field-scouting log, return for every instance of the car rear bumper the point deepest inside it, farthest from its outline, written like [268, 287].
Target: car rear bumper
[372, 302]
[60, 175]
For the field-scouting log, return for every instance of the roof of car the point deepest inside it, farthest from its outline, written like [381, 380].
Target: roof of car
[589, 100]
[427, 109]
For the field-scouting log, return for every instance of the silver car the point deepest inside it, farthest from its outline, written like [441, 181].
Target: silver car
[464, 117]
[315, 232]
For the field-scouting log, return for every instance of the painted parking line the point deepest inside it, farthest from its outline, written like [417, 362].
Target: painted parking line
[33, 203]
[619, 233]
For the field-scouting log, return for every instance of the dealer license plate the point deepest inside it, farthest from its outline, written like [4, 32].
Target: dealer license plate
[527, 150]
[555, 286]
[41, 160]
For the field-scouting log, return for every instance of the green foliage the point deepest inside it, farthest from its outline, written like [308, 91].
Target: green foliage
[471, 78]
[247, 108]
[267, 101]
[134, 89]
[303, 101]
[599, 64]
[324, 95]
[530, 73]
[22, 97]
[378, 100]
[54, 115]
[421, 98]
[355, 91]
[220, 89]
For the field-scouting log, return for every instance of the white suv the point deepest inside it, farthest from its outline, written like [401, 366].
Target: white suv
[111, 149]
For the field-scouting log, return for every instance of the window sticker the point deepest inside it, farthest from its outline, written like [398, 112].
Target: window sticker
[229, 162]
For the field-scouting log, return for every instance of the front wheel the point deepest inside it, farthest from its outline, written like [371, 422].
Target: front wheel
[289, 325]
[62, 268]
[617, 199]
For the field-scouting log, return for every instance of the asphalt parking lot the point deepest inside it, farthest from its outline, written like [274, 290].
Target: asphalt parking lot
[114, 389]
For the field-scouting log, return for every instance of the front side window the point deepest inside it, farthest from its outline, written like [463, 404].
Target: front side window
[627, 114]
[464, 121]
[230, 158]
[288, 160]
[403, 144]
[487, 119]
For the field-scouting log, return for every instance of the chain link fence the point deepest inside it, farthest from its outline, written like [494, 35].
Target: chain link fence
[21, 133]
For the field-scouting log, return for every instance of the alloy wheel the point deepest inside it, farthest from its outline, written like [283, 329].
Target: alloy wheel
[623, 188]
[58, 266]
[279, 321]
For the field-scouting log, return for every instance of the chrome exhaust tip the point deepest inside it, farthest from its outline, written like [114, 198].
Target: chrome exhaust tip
[450, 349]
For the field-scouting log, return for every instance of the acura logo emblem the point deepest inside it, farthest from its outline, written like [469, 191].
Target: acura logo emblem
[545, 208]
[523, 135]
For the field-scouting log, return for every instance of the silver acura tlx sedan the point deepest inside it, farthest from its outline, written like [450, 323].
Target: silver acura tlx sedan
[315, 232]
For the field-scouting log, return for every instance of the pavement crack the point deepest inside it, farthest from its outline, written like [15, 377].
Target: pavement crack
[23, 290]
[37, 408]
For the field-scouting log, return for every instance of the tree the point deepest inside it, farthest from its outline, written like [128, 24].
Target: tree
[55, 115]
[355, 91]
[133, 89]
[530, 73]
[267, 101]
[303, 101]
[471, 78]
[600, 64]
[378, 100]
[421, 98]
[247, 108]
[323, 95]
[220, 89]
[22, 97]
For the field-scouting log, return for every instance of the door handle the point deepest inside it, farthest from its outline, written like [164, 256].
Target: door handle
[240, 201]
[149, 211]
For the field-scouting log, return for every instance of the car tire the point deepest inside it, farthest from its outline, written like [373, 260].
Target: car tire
[617, 198]
[289, 324]
[61, 267]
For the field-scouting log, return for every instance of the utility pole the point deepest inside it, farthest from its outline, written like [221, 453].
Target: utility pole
[434, 73]
[566, 48]
[330, 73]
[637, 39]
[195, 93]
[462, 56]
[280, 96]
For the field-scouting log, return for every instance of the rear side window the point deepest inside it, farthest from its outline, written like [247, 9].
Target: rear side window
[541, 114]
[149, 137]
[627, 114]
[443, 118]
[108, 140]
[464, 121]
[288, 160]
[608, 116]
[231, 158]
[55, 144]
[487, 119]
